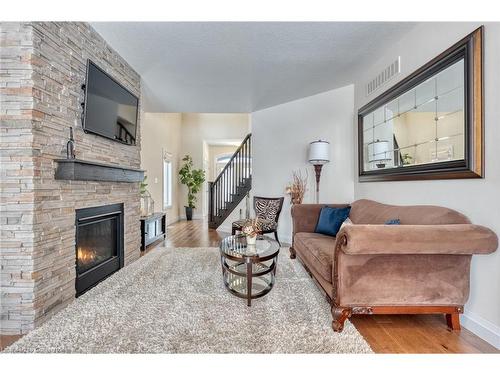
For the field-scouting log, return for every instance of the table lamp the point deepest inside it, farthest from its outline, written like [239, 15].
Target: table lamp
[379, 153]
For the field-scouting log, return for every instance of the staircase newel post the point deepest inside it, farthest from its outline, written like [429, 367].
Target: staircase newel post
[251, 157]
[243, 161]
[240, 159]
[210, 202]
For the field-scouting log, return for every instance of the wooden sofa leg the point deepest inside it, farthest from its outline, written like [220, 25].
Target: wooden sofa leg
[453, 321]
[339, 315]
[292, 253]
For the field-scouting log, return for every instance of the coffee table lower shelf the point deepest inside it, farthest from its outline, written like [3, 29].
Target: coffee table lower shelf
[249, 280]
[249, 270]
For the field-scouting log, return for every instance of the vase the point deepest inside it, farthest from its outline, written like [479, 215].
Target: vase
[251, 240]
[151, 207]
[147, 204]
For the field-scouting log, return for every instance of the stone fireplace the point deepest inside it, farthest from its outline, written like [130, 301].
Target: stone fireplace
[41, 232]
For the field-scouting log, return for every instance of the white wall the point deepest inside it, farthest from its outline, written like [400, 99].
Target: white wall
[280, 139]
[198, 128]
[161, 131]
[479, 198]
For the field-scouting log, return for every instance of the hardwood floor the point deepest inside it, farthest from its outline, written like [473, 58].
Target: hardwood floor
[6, 340]
[192, 234]
[384, 333]
[417, 334]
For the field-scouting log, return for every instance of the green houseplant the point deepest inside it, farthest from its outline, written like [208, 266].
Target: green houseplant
[193, 179]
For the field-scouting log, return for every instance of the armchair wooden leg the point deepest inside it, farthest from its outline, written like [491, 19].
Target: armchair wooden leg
[339, 315]
[292, 253]
[453, 321]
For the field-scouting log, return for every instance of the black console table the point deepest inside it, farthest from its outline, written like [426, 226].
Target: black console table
[152, 229]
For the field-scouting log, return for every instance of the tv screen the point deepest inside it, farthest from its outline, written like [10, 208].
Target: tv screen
[110, 109]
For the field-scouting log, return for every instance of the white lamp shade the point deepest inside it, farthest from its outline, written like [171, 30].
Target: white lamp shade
[319, 152]
[379, 151]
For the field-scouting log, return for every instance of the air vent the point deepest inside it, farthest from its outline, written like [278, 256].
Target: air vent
[386, 75]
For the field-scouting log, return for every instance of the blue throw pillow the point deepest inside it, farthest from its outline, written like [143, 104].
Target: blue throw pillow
[393, 222]
[330, 220]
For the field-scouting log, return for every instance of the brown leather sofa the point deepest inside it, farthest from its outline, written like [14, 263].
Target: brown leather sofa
[419, 267]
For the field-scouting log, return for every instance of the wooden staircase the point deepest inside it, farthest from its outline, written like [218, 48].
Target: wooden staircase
[231, 185]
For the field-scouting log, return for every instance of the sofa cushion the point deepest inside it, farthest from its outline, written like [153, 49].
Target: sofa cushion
[317, 251]
[330, 220]
[366, 211]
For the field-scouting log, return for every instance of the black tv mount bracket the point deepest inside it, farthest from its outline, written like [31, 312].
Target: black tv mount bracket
[83, 104]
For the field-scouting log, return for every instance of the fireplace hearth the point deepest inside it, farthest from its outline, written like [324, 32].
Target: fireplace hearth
[99, 244]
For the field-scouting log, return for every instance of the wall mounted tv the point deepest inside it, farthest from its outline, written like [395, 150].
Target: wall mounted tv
[110, 109]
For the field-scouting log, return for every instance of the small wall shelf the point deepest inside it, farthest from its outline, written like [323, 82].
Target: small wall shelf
[75, 169]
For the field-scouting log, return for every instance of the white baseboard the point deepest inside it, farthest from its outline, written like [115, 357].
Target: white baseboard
[482, 328]
[172, 220]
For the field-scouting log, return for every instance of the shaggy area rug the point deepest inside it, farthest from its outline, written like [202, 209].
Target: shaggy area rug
[173, 301]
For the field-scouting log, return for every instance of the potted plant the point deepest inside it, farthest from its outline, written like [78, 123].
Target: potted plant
[251, 228]
[407, 159]
[193, 179]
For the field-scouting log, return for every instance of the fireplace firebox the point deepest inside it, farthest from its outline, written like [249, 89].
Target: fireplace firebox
[99, 244]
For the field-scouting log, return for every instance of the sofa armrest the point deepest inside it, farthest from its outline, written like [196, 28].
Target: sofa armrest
[417, 239]
[305, 216]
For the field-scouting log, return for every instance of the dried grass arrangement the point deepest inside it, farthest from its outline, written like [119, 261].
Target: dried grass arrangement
[297, 189]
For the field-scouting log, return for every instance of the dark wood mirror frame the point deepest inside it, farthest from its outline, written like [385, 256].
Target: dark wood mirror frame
[470, 49]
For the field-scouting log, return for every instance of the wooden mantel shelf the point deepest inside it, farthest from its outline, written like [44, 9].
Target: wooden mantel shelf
[81, 170]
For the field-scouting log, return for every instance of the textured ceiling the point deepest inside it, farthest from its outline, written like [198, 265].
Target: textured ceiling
[243, 67]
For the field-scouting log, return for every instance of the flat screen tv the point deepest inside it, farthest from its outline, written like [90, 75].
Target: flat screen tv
[110, 109]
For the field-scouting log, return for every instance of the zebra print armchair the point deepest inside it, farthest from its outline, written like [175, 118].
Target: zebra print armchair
[267, 210]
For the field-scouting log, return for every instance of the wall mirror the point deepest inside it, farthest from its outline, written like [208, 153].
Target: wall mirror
[430, 125]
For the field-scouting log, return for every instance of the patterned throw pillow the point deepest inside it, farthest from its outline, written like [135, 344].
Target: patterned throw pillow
[393, 222]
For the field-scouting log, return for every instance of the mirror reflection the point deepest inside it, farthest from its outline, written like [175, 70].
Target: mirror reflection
[423, 125]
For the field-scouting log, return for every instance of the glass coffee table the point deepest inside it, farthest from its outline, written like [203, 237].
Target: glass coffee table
[249, 271]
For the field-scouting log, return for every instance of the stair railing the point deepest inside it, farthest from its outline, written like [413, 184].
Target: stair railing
[234, 176]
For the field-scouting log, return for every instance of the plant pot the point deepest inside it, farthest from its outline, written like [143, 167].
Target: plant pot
[189, 213]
